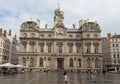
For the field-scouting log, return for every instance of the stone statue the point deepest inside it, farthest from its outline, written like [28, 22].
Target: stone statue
[46, 26]
[74, 26]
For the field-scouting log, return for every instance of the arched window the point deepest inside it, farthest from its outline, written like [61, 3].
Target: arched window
[49, 48]
[32, 35]
[41, 48]
[96, 49]
[88, 35]
[77, 36]
[88, 49]
[96, 63]
[95, 36]
[25, 35]
[24, 48]
[49, 36]
[31, 62]
[24, 62]
[71, 62]
[60, 48]
[88, 62]
[78, 49]
[41, 62]
[70, 36]
[70, 48]
[32, 48]
[42, 36]
[79, 62]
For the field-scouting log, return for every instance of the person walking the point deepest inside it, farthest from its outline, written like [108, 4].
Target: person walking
[65, 76]
[78, 72]
[94, 76]
[104, 72]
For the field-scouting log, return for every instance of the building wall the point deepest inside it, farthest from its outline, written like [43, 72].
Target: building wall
[32, 37]
[111, 54]
[8, 51]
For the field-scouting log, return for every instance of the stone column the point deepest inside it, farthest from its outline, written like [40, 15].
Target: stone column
[36, 47]
[44, 63]
[92, 48]
[38, 61]
[27, 47]
[54, 47]
[65, 47]
[45, 47]
[27, 62]
[75, 64]
[93, 64]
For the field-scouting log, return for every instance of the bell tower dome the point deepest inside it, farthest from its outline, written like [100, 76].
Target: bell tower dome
[58, 18]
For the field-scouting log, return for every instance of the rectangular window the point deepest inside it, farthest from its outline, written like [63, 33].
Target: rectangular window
[116, 45]
[96, 49]
[114, 61]
[60, 49]
[88, 49]
[41, 48]
[70, 49]
[113, 45]
[24, 48]
[49, 48]
[32, 48]
[117, 55]
[114, 56]
[78, 49]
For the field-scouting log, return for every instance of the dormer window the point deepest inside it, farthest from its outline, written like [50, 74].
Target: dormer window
[77, 36]
[95, 36]
[24, 35]
[88, 36]
[49, 36]
[42, 36]
[70, 36]
[32, 35]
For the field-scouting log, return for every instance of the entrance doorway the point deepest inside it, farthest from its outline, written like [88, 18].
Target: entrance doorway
[60, 63]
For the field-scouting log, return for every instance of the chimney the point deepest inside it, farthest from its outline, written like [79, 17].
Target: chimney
[109, 35]
[115, 35]
[1, 32]
[5, 32]
[38, 22]
[46, 26]
[10, 32]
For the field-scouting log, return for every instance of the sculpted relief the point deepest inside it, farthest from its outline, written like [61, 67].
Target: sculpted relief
[29, 25]
[60, 32]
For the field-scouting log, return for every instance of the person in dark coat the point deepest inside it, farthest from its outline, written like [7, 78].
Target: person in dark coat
[65, 76]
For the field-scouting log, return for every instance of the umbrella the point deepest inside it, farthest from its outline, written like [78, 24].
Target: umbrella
[20, 66]
[9, 65]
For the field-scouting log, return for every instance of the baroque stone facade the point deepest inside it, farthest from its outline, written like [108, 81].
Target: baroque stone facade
[60, 47]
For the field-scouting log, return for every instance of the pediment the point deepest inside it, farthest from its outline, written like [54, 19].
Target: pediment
[29, 25]
[90, 26]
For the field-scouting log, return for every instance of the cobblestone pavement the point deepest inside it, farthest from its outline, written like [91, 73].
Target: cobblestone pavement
[57, 78]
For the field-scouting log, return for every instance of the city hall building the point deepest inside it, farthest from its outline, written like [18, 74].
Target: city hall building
[60, 47]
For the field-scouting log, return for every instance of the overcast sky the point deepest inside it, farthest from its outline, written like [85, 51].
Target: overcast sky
[106, 12]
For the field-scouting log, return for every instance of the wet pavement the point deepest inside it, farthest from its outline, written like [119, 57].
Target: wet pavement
[58, 78]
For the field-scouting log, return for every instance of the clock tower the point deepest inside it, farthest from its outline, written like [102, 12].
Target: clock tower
[58, 18]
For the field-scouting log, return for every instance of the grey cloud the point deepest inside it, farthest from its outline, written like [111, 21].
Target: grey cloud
[106, 12]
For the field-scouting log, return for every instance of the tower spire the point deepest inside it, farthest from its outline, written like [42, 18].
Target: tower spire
[58, 6]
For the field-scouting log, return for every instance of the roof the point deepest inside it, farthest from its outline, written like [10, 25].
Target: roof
[116, 36]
